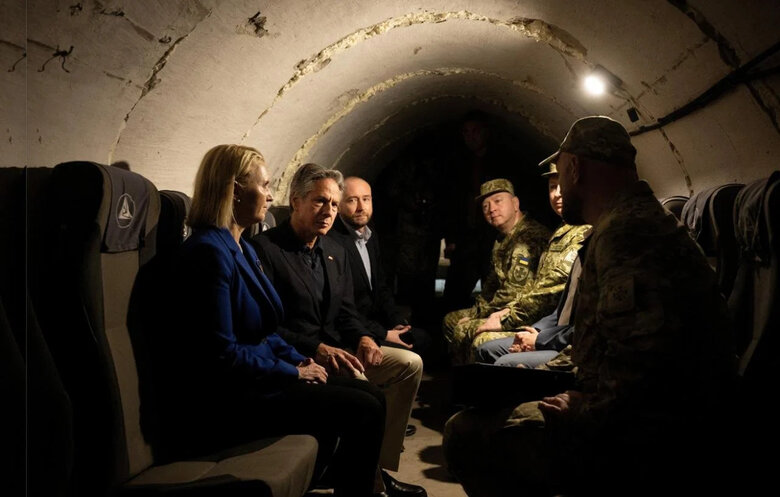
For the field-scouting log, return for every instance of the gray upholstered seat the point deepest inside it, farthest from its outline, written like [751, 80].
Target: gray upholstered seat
[755, 300]
[709, 217]
[103, 353]
[674, 204]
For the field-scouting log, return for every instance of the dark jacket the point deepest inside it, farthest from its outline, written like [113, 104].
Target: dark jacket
[306, 323]
[228, 332]
[374, 301]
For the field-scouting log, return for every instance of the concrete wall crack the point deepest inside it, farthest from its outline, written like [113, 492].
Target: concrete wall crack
[770, 110]
[727, 52]
[535, 29]
[151, 82]
[680, 162]
[119, 12]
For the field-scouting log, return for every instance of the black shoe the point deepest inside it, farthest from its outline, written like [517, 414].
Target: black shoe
[395, 488]
[410, 430]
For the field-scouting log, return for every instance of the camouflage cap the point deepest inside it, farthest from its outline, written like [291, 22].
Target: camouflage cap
[600, 138]
[553, 170]
[488, 188]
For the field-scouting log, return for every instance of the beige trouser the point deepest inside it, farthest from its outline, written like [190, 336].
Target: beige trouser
[399, 377]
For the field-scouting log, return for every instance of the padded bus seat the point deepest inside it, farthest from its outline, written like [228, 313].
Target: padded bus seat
[674, 204]
[12, 247]
[755, 300]
[257, 228]
[50, 443]
[721, 221]
[708, 215]
[107, 220]
[12, 388]
[172, 229]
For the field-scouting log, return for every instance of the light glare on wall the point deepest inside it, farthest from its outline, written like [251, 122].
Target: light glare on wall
[595, 85]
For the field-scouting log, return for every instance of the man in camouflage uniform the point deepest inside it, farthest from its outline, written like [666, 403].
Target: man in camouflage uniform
[554, 267]
[515, 260]
[651, 344]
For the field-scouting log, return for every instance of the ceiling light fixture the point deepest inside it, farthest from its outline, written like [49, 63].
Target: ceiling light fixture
[595, 85]
[600, 81]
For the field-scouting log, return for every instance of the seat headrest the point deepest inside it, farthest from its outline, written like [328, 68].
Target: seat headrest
[117, 199]
[675, 204]
[750, 227]
[696, 216]
[721, 213]
[127, 217]
[269, 221]
[172, 229]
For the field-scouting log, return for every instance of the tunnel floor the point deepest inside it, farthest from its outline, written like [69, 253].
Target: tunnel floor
[422, 461]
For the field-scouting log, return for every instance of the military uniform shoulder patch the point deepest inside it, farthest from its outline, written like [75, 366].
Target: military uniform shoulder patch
[618, 296]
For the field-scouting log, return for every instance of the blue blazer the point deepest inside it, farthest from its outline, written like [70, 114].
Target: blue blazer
[232, 312]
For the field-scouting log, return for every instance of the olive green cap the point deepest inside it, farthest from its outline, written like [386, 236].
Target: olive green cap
[600, 138]
[488, 188]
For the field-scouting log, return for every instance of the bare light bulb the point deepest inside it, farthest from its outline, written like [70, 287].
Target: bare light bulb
[595, 85]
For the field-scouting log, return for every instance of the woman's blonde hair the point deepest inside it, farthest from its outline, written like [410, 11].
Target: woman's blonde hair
[221, 167]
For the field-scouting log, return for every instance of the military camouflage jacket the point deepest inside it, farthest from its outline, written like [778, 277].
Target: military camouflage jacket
[515, 260]
[652, 340]
[554, 267]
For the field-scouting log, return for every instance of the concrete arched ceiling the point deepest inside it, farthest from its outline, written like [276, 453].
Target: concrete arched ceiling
[348, 83]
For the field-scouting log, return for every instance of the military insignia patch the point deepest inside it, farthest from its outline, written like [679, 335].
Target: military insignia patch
[618, 296]
[521, 270]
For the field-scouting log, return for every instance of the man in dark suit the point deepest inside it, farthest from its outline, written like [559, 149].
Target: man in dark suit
[373, 297]
[312, 275]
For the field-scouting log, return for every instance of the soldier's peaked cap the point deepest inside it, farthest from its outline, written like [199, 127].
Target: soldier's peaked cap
[488, 188]
[600, 138]
[552, 170]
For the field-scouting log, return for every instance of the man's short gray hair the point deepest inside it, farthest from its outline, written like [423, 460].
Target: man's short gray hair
[307, 175]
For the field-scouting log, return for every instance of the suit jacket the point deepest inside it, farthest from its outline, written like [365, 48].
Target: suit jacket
[374, 300]
[307, 323]
[232, 312]
[552, 336]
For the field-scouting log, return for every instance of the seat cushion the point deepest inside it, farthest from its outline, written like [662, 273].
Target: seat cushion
[285, 465]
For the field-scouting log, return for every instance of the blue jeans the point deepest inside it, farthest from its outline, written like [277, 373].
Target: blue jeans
[497, 352]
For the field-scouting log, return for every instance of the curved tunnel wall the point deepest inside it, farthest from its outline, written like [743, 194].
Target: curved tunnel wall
[349, 83]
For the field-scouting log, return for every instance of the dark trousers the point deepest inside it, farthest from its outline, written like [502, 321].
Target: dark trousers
[348, 411]
[470, 262]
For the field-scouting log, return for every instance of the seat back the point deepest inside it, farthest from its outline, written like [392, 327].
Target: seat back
[172, 228]
[12, 248]
[720, 219]
[12, 384]
[106, 220]
[150, 314]
[674, 204]
[257, 228]
[43, 402]
[12, 388]
[707, 214]
[755, 300]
